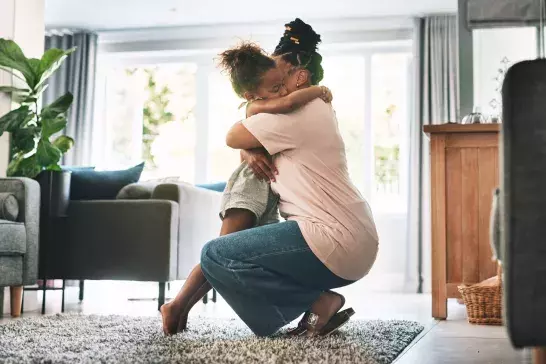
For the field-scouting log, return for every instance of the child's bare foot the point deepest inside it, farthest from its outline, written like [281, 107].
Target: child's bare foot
[170, 319]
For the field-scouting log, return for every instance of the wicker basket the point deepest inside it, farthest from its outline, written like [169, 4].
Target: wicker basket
[483, 300]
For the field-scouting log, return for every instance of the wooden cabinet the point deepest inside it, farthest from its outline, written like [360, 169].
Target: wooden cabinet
[464, 172]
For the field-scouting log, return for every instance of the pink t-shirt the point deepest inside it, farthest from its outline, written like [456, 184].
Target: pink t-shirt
[315, 189]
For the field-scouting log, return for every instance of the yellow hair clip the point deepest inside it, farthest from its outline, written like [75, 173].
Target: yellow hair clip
[295, 40]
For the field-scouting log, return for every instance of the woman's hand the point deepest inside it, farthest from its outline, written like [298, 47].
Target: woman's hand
[261, 164]
[326, 96]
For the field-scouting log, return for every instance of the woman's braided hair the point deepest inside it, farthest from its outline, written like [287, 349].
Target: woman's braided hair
[298, 46]
[245, 65]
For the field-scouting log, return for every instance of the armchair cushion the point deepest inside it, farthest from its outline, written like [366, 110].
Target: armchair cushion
[27, 192]
[9, 207]
[14, 238]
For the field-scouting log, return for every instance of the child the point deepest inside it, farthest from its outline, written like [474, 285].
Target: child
[244, 191]
[247, 201]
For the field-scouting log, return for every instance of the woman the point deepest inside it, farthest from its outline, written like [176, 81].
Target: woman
[247, 201]
[272, 274]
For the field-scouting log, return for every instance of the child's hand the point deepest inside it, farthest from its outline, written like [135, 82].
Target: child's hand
[326, 96]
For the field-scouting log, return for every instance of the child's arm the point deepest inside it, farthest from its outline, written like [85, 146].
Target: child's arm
[290, 102]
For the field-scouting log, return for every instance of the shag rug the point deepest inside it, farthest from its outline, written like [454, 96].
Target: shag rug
[74, 338]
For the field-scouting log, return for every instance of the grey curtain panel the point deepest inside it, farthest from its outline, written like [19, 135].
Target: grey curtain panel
[440, 54]
[77, 75]
[502, 13]
[436, 100]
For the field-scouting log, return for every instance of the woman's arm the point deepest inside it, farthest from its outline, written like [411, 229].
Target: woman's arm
[238, 137]
[291, 102]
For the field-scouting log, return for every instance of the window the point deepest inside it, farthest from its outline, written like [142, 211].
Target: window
[223, 112]
[371, 103]
[495, 50]
[390, 123]
[344, 75]
[149, 116]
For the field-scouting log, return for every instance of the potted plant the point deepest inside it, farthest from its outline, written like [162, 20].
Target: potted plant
[36, 147]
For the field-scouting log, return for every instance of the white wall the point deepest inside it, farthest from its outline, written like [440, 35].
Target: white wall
[491, 46]
[22, 21]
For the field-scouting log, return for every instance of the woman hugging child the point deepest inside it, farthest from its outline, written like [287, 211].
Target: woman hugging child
[248, 201]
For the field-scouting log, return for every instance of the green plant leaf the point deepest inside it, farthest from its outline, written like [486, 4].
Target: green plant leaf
[19, 98]
[13, 167]
[24, 140]
[34, 64]
[30, 117]
[59, 106]
[52, 126]
[51, 61]
[29, 100]
[24, 167]
[40, 89]
[11, 56]
[54, 167]
[9, 89]
[14, 119]
[64, 143]
[47, 154]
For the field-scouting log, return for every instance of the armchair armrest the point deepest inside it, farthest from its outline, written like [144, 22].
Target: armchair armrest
[116, 239]
[199, 220]
[27, 193]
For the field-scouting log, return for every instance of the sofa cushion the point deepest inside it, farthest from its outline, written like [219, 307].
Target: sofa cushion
[102, 185]
[9, 207]
[14, 238]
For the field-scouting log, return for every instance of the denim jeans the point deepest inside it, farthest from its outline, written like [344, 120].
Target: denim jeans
[268, 275]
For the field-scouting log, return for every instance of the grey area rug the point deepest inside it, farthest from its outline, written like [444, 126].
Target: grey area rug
[71, 338]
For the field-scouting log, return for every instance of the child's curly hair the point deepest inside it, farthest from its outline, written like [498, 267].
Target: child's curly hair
[245, 65]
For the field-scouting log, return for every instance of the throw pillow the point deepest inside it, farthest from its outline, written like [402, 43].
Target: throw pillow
[137, 191]
[143, 190]
[77, 168]
[218, 187]
[102, 185]
[9, 207]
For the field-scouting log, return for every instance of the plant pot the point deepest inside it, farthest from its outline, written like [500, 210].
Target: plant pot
[55, 188]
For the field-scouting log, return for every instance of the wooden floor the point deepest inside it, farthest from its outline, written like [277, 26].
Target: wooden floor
[445, 342]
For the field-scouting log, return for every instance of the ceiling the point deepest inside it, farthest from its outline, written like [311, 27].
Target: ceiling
[128, 14]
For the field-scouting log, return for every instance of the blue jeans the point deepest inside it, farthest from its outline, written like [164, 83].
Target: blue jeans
[268, 275]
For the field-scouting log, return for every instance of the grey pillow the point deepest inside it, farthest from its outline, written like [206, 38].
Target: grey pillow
[9, 207]
[137, 191]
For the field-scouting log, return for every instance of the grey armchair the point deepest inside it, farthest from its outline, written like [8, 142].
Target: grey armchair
[155, 240]
[19, 241]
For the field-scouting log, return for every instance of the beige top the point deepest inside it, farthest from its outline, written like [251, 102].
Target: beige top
[315, 189]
